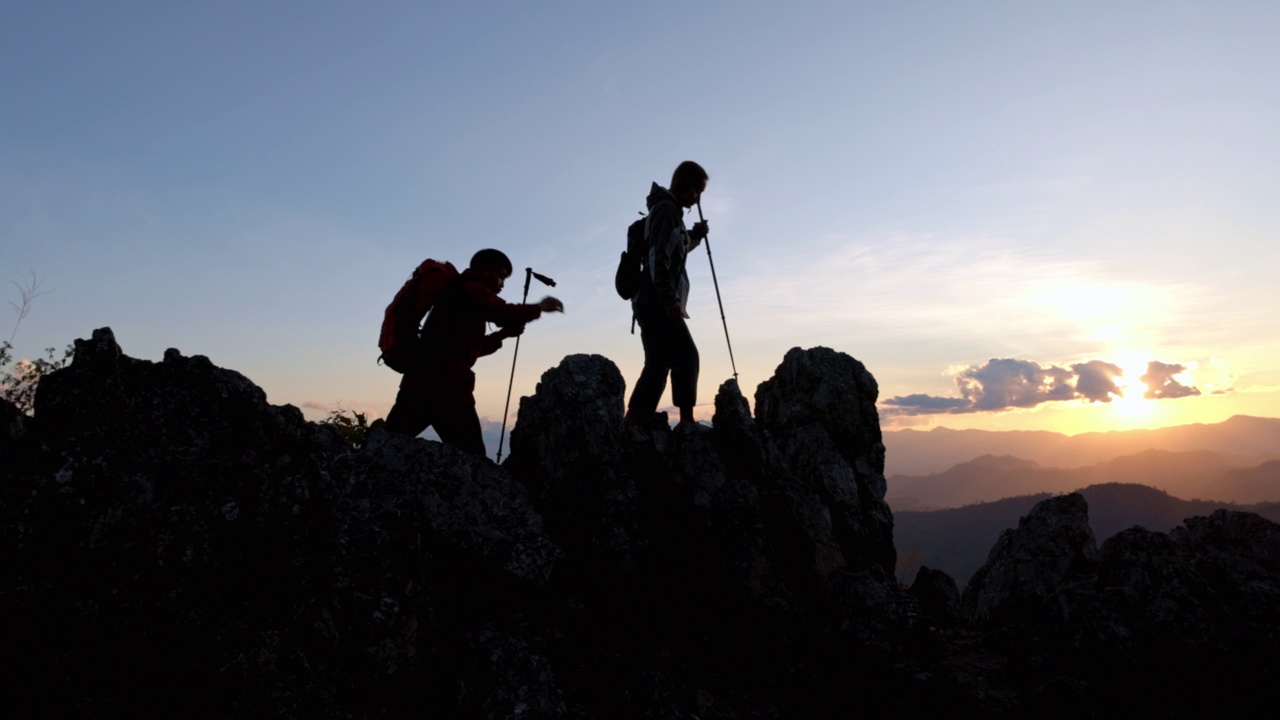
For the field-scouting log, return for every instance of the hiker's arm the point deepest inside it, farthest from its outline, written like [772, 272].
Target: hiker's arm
[498, 311]
[493, 341]
[665, 234]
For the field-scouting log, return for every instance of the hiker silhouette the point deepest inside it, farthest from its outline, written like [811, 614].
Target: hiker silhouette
[438, 384]
[660, 304]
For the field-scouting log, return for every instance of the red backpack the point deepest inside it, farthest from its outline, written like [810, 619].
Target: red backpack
[400, 324]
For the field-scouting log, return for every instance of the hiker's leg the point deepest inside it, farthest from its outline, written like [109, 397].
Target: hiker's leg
[653, 378]
[684, 363]
[459, 426]
[410, 415]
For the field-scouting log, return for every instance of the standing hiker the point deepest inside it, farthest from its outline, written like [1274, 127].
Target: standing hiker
[437, 389]
[660, 304]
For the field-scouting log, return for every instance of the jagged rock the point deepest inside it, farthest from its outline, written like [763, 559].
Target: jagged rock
[471, 504]
[568, 449]
[1151, 596]
[173, 545]
[1244, 535]
[819, 411]
[180, 543]
[733, 414]
[1238, 555]
[183, 411]
[939, 597]
[1150, 623]
[710, 530]
[1030, 566]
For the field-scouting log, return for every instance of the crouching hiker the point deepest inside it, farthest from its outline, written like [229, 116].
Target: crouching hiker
[437, 387]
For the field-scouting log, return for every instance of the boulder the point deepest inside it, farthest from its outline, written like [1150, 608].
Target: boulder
[939, 597]
[1030, 566]
[818, 410]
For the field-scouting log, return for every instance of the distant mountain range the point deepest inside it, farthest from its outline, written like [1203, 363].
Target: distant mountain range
[1191, 474]
[958, 540]
[1245, 441]
[954, 491]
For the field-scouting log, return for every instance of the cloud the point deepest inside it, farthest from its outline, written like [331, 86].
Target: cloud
[1160, 383]
[1096, 380]
[1008, 383]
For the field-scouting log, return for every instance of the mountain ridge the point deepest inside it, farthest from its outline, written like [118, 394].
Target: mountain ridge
[1195, 474]
[920, 452]
[957, 540]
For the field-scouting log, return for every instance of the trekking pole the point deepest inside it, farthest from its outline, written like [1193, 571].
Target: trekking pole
[707, 240]
[529, 275]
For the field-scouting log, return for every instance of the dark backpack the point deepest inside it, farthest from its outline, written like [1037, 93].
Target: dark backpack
[631, 274]
[399, 341]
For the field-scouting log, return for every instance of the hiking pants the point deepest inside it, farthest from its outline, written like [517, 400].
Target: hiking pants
[456, 424]
[668, 347]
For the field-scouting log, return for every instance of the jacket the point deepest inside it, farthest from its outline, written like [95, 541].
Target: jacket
[454, 337]
[668, 249]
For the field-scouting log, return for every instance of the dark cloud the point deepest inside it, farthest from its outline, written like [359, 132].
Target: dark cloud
[1096, 380]
[1160, 383]
[1000, 384]
[1006, 383]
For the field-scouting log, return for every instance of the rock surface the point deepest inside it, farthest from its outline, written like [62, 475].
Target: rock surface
[1029, 567]
[175, 546]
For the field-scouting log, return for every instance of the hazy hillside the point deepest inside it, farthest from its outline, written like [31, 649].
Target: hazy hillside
[1245, 440]
[958, 540]
[1250, 485]
[1194, 474]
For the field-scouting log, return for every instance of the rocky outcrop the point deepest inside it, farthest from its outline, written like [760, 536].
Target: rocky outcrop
[819, 410]
[177, 545]
[1150, 623]
[716, 532]
[938, 596]
[174, 545]
[1029, 567]
[568, 450]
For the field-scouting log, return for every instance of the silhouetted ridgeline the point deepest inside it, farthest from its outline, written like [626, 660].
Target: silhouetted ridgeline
[957, 540]
[176, 547]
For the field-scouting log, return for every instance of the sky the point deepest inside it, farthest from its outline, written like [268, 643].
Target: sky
[1017, 215]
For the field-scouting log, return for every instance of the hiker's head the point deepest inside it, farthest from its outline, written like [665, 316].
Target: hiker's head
[492, 265]
[688, 182]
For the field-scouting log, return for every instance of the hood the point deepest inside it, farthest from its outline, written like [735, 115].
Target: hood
[657, 193]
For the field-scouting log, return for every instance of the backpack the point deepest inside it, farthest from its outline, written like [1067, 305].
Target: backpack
[631, 275]
[399, 341]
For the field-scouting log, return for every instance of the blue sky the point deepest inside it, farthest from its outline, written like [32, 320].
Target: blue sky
[924, 185]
